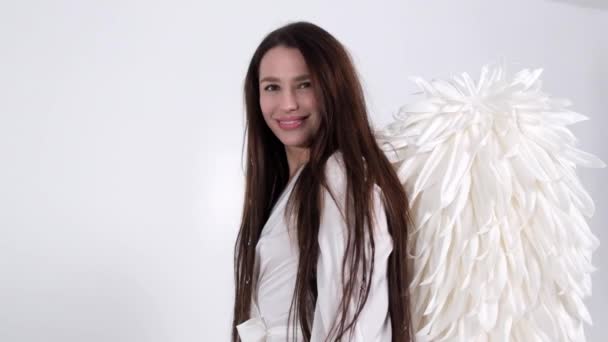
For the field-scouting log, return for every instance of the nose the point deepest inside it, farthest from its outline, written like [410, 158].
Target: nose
[289, 101]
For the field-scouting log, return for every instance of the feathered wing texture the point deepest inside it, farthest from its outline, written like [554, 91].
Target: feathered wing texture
[500, 248]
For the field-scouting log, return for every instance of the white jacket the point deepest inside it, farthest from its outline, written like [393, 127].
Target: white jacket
[276, 267]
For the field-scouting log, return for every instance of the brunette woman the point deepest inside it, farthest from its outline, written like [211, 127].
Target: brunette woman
[321, 251]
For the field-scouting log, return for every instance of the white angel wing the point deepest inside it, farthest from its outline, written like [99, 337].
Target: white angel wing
[500, 248]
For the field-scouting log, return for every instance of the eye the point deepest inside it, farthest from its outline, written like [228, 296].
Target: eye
[271, 87]
[304, 85]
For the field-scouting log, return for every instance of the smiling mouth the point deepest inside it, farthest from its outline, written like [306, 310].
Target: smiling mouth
[291, 123]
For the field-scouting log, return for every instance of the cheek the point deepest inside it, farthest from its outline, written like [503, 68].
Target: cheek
[263, 103]
[310, 102]
[266, 106]
[316, 123]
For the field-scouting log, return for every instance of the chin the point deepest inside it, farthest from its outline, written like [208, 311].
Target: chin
[294, 143]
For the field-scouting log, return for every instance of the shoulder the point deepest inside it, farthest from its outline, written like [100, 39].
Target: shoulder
[337, 180]
[335, 173]
[335, 197]
[335, 187]
[335, 170]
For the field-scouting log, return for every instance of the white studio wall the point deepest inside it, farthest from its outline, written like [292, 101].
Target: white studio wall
[121, 131]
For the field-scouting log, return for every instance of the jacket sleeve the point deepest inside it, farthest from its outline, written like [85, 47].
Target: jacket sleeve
[373, 323]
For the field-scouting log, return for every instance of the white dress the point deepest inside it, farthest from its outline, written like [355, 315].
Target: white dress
[276, 268]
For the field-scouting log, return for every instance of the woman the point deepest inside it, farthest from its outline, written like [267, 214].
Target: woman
[321, 251]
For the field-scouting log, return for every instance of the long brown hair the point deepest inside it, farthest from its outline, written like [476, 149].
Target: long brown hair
[344, 127]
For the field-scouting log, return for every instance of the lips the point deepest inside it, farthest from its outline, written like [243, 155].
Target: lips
[291, 122]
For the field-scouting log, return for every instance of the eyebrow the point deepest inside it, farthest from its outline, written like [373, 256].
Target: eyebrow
[275, 79]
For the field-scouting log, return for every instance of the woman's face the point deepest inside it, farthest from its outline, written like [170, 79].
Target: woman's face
[287, 98]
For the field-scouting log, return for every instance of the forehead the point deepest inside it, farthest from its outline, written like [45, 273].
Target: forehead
[282, 61]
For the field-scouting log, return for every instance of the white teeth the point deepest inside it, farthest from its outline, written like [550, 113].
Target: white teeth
[290, 122]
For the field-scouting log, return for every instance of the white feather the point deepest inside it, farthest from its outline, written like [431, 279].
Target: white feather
[500, 250]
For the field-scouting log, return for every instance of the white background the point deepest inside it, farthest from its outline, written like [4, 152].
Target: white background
[121, 128]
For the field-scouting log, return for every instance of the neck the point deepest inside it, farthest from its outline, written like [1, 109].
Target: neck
[296, 157]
